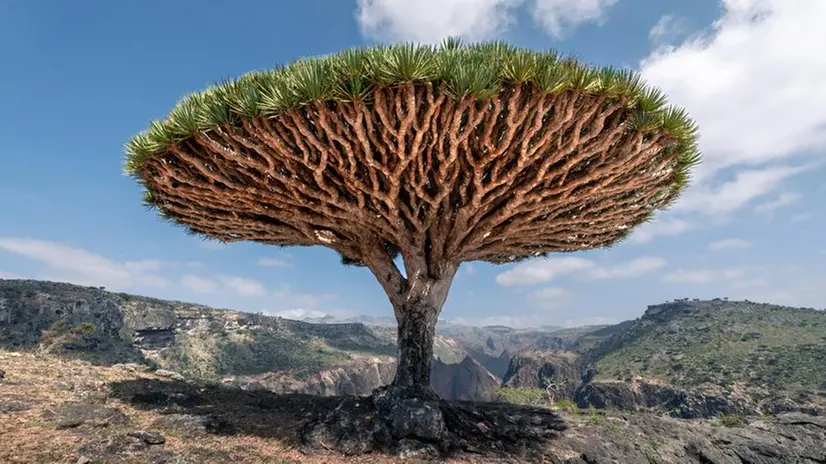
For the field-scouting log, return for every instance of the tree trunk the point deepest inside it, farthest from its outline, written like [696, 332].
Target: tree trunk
[416, 332]
[416, 315]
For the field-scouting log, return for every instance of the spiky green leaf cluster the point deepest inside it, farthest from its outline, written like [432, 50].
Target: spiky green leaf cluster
[466, 71]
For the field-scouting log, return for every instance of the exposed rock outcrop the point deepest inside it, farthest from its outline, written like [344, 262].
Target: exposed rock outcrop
[663, 398]
[468, 380]
[531, 369]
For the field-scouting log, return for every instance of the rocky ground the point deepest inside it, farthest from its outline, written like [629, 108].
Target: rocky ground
[71, 411]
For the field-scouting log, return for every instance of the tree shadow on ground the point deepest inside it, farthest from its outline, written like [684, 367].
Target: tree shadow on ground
[481, 429]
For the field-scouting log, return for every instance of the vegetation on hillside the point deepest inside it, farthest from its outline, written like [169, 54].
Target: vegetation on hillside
[721, 344]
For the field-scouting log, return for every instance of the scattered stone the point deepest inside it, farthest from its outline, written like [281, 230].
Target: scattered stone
[71, 415]
[427, 428]
[111, 448]
[161, 456]
[118, 447]
[93, 397]
[193, 424]
[175, 399]
[2, 374]
[170, 375]
[8, 406]
[62, 385]
[148, 437]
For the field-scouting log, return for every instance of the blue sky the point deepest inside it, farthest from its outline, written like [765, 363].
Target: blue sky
[80, 78]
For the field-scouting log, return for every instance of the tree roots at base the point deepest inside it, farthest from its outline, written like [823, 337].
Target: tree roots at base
[419, 425]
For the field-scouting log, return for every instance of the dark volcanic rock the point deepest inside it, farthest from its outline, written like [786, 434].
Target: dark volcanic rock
[685, 404]
[148, 437]
[15, 403]
[192, 424]
[646, 438]
[147, 448]
[427, 428]
[485, 432]
[72, 415]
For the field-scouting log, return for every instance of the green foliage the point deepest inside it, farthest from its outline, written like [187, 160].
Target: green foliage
[732, 420]
[523, 395]
[710, 345]
[594, 417]
[654, 444]
[476, 71]
[61, 331]
[211, 355]
[567, 405]
[83, 329]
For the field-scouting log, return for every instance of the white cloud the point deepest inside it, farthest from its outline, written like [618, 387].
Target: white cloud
[273, 262]
[199, 284]
[729, 196]
[536, 271]
[547, 269]
[727, 244]
[809, 292]
[749, 283]
[79, 266]
[784, 199]
[660, 226]
[550, 293]
[244, 287]
[590, 320]
[559, 16]
[752, 82]
[755, 90]
[9, 275]
[666, 29]
[802, 217]
[304, 300]
[247, 288]
[430, 21]
[635, 268]
[699, 276]
[300, 313]
[518, 322]
[468, 268]
[527, 321]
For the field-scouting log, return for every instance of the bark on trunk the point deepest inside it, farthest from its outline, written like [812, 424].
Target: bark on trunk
[417, 300]
[416, 315]
[416, 332]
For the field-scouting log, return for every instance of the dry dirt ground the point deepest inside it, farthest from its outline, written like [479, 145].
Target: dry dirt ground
[68, 411]
[54, 410]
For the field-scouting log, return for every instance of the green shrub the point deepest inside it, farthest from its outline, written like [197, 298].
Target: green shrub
[732, 420]
[86, 328]
[567, 406]
[594, 417]
[524, 396]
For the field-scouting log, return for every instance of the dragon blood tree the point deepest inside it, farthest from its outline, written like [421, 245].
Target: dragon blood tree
[438, 154]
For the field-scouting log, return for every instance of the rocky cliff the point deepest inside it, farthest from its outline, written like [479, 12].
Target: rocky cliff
[685, 358]
[244, 349]
[690, 359]
[58, 410]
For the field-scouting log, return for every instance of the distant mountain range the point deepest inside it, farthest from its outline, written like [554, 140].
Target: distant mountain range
[688, 358]
[391, 322]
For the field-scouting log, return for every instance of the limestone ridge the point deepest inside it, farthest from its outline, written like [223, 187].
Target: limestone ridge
[242, 349]
[689, 358]
[693, 358]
